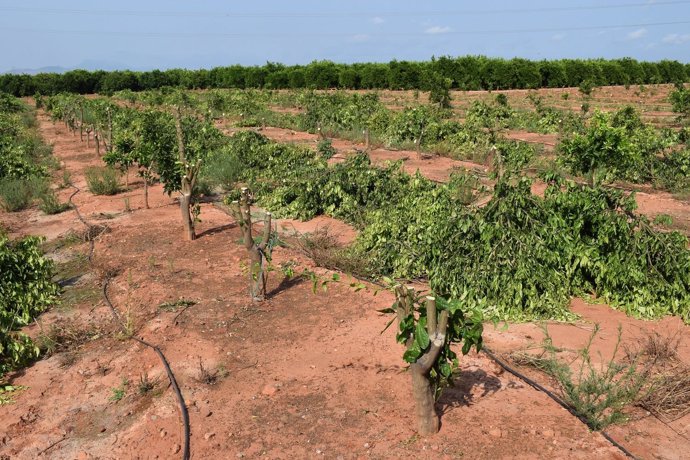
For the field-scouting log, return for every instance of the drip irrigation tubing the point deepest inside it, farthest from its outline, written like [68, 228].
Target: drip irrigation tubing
[551, 395]
[155, 348]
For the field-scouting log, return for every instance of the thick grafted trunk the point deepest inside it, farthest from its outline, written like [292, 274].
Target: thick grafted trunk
[191, 172]
[428, 421]
[187, 219]
[257, 252]
[427, 418]
[257, 275]
[367, 145]
[97, 139]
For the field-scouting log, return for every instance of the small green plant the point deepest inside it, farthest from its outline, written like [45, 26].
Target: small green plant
[597, 393]
[146, 384]
[119, 392]
[502, 99]
[565, 96]
[66, 179]
[586, 88]
[49, 202]
[102, 181]
[439, 89]
[128, 326]
[326, 149]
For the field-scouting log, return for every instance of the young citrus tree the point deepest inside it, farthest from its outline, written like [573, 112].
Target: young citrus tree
[428, 327]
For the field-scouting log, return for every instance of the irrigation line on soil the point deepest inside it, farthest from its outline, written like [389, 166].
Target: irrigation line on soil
[551, 395]
[116, 316]
[168, 370]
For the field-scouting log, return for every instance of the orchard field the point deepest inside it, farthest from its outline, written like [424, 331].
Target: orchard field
[297, 273]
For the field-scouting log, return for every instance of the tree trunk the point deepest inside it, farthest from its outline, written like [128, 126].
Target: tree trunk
[187, 219]
[257, 275]
[257, 252]
[110, 131]
[418, 144]
[191, 172]
[81, 125]
[427, 418]
[96, 138]
[366, 140]
[146, 193]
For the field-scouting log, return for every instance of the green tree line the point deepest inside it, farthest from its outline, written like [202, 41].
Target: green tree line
[464, 73]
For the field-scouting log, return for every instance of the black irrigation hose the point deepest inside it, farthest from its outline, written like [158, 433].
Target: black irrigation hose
[551, 395]
[168, 370]
[166, 365]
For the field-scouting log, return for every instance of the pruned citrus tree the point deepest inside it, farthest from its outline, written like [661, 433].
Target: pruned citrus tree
[259, 252]
[429, 326]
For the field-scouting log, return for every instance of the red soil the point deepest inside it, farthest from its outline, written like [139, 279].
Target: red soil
[304, 375]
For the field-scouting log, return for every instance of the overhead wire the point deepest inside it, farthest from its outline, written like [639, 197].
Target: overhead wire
[188, 35]
[269, 14]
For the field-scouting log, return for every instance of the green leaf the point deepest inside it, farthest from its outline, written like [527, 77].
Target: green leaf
[421, 335]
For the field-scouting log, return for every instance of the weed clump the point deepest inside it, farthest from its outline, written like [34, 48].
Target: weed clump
[599, 394]
[102, 181]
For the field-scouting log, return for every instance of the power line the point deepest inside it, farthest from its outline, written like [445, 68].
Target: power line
[121, 33]
[232, 14]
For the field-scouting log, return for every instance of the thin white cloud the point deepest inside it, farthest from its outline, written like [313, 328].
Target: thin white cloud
[435, 30]
[360, 38]
[558, 37]
[637, 34]
[378, 20]
[676, 39]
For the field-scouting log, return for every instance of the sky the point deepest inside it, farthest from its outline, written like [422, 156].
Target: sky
[150, 34]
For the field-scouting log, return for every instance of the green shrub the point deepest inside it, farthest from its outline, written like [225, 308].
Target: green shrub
[326, 149]
[26, 290]
[19, 194]
[680, 101]
[102, 181]
[614, 147]
[49, 202]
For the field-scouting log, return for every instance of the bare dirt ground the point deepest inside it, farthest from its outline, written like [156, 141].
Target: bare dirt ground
[301, 375]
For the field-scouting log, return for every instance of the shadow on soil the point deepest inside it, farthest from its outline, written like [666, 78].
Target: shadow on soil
[462, 393]
[214, 230]
[284, 285]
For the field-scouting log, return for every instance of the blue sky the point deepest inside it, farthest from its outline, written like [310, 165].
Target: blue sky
[207, 33]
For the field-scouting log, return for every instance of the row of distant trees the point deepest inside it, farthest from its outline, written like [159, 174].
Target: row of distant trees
[465, 73]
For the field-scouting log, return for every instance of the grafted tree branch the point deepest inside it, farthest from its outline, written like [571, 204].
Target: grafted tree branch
[257, 252]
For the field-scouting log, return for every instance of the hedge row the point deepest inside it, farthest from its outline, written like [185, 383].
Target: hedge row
[467, 73]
